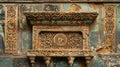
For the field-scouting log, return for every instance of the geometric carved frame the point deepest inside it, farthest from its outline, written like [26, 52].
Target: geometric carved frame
[59, 52]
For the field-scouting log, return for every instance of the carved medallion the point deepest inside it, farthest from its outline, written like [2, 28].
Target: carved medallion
[11, 24]
[11, 11]
[57, 40]
[60, 39]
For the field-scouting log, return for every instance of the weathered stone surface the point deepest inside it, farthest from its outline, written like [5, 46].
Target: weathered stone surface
[59, 0]
[97, 34]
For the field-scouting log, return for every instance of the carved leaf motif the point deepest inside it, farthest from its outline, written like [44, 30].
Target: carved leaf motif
[60, 40]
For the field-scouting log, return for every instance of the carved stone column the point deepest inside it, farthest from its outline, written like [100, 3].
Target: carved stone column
[85, 37]
[32, 61]
[88, 61]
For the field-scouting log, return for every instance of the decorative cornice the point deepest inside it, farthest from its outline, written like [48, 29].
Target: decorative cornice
[59, 17]
[59, 53]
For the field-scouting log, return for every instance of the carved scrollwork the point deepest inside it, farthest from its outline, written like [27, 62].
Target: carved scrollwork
[53, 52]
[110, 26]
[12, 11]
[11, 24]
[109, 30]
[61, 18]
[11, 29]
[59, 41]
[53, 40]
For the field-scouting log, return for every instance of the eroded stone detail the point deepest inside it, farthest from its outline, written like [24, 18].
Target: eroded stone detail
[60, 18]
[56, 40]
[109, 24]
[11, 30]
[60, 39]
[45, 41]
[59, 53]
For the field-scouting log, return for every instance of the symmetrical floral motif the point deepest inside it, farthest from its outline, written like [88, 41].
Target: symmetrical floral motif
[78, 31]
[109, 30]
[60, 41]
[11, 25]
[65, 41]
[110, 25]
[55, 40]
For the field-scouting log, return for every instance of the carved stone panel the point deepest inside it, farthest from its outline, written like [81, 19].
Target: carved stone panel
[57, 37]
[109, 30]
[58, 40]
[110, 23]
[11, 30]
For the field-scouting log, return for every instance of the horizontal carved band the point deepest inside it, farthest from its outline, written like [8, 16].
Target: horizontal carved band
[60, 17]
[49, 52]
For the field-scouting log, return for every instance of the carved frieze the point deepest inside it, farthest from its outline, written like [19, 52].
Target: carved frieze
[60, 18]
[54, 53]
[11, 30]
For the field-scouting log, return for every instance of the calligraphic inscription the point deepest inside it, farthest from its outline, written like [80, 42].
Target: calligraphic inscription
[11, 30]
[65, 40]
[110, 22]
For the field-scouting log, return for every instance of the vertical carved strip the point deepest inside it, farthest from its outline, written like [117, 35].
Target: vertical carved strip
[11, 28]
[85, 36]
[109, 26]
[34, 37]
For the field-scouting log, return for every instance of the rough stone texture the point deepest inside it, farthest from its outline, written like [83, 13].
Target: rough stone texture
[25, 34]
[59, 0]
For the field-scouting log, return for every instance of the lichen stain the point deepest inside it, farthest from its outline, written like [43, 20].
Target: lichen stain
[75, 8]
[95, 6]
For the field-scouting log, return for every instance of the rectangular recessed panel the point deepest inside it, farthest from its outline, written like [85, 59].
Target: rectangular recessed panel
[60, 40]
